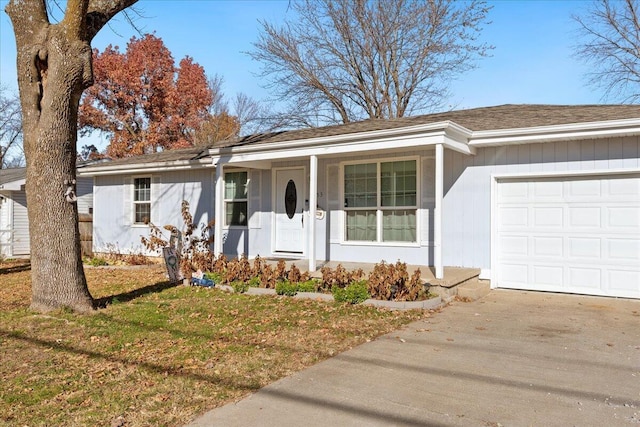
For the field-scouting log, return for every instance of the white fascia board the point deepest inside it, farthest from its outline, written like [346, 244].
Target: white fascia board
[329, 150]
[593, 130]
[452, 129]
[143, 168]
[448, 133]
[13, 185]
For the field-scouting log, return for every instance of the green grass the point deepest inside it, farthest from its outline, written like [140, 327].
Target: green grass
[162, 354]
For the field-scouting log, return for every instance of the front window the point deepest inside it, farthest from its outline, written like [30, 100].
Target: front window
[380, 201]
[235, 198]
[142, 200]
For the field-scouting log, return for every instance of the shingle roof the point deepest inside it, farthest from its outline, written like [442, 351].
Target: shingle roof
[12, 174]
[510, 116]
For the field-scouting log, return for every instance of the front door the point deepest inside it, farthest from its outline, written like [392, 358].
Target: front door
[289, 221]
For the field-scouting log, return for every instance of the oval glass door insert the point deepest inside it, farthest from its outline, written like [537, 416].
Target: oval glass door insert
[290, 199]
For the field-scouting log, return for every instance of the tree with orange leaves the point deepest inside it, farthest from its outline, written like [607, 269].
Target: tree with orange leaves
[143, 101]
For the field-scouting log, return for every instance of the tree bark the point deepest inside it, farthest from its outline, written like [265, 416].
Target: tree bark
[54, 67]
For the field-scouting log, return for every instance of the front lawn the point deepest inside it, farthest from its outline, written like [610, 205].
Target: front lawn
[159, 354]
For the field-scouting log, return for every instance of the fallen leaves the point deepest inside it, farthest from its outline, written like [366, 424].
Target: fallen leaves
[161, 354]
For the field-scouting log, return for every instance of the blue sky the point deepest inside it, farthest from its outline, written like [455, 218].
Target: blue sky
[532, 61]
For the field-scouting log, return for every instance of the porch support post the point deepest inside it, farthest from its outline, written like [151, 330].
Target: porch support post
[313, 203]
[437, 212]
[219, 209]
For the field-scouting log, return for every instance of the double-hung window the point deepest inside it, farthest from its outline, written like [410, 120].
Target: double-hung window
[380, 201]
[142, 200]
[235, 198]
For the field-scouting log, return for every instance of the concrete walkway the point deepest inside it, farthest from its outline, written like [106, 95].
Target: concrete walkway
[509, 359]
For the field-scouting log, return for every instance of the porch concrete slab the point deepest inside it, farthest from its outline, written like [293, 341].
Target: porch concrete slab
[511, 358]
[474, 289]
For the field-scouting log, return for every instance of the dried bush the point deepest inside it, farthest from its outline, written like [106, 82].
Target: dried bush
[339, 277]
[194, 249]
[392, 282]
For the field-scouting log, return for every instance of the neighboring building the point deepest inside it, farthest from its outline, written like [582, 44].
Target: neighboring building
[14, 222]
[539, 197]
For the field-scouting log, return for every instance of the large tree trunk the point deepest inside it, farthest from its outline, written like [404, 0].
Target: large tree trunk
[54, 67]
[62, 70]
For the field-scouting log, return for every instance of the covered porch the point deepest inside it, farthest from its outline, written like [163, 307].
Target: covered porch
[432, 139]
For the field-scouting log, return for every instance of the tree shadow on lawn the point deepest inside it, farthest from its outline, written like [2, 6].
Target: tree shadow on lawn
[15, 267]
[136, 293]
[231, 382]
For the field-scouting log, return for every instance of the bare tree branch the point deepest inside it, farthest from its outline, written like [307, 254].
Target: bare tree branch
[10, 128]
[610, 43]
[344, 60]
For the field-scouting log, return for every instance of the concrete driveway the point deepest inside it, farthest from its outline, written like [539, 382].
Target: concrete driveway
[509, 359]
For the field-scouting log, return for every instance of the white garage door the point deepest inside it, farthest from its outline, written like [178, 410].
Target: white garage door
[569, 234]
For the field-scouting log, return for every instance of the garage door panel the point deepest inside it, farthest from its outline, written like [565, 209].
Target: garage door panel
[624, 217]
[550, 275]
[547, 217]
[585, 278]
[547, 189]
[548, 246]
[514, 217]
[584, 247]
[582, 216]
[579, 189]
[515, 274]
[624, 282]
[569, 234]
[514, 245]
[624, 187]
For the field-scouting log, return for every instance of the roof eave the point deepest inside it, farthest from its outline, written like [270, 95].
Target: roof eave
[566, 132]
[110, 169]
[361, 139]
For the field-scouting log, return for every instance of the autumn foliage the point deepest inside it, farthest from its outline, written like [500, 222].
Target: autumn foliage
[143, 101]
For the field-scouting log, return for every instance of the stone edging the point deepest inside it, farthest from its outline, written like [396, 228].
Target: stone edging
[429, 304]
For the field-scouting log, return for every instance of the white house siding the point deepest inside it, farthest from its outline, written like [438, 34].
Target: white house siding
[113, 228]
[20, 224]
[5, 224]
[467, 185]
[84, 191]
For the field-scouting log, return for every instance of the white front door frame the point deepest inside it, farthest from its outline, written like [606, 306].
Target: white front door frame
[302, 197]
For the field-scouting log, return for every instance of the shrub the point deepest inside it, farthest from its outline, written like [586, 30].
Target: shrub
[254, 282]
[239, 286]
[354, 293]
[215, 276]
[97, 261]
[308, 286]
[287, 288]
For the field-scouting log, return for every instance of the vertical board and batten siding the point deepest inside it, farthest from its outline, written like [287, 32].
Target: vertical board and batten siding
[21, 246]
[113, 227]
[467, 185]
[84, 191]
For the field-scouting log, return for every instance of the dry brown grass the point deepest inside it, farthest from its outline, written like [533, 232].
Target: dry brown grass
[158, 354]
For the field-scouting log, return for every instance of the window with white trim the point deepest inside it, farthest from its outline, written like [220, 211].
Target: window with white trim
[380, 201]
[142, 200]
[235, 198]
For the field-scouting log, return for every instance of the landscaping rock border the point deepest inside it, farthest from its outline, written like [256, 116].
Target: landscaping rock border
[429, 304]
